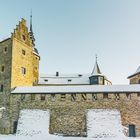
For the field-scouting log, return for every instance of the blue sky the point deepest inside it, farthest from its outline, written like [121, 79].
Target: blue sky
[70, 32]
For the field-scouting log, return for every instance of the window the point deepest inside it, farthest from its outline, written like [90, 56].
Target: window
[101, 80]
[23, 37]
[2, 69]
[73, 97]
[63, 96]
[128, 95]
[105, 95]
[22, 97]
[139, 81]
[138, 94]
[93, 80]
[52, 97]
[32, 96]
[117, 96]
[5, 49]
[42, 96]
[23, 70]
[23, 52]
[94, 97]
[69, 80]
[84, 97]
[1, 88]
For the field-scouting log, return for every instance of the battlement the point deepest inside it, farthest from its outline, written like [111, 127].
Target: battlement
[75, 97]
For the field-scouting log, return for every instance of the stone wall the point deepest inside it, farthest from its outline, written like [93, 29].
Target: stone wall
[5, 61]
[135, 79]
[69, 117]
[5, 80]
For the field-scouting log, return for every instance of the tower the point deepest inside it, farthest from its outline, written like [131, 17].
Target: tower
[19, 59]
[97, 78]
[19, 66]
[135, 77]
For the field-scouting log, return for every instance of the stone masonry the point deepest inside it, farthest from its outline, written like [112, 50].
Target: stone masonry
[69, 117]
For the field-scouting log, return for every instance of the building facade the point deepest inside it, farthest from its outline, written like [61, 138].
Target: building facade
[58, 79]
[19, 59]
[135, 78]
[19, 64]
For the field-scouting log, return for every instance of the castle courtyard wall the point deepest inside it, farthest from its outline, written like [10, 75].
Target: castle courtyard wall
[68, 116]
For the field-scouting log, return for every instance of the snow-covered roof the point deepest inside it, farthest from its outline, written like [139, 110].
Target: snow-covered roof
[70, 79]
[67, 79]
[137, 72]
[78, 89]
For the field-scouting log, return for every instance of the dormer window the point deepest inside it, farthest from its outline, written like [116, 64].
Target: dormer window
[69, 80]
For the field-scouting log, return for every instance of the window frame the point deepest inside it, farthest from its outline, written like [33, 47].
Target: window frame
[23, 71]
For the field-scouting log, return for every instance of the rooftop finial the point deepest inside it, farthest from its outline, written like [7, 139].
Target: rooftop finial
[31, 21]
[31, 30]
[96, 69]
[96, 58]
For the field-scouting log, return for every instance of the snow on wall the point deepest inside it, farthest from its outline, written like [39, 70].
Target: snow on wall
[103, 123]
[33, 122]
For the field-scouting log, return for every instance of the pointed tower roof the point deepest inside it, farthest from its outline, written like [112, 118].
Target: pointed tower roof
[137, 72]
[31, 31]
[96, 69]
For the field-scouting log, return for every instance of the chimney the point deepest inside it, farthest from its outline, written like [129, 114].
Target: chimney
[57, 73]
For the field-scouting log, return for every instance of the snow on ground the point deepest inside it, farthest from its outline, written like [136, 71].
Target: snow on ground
[101, 125]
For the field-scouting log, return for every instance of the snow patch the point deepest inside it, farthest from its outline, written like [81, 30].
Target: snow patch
[104, 124]
[33, 122]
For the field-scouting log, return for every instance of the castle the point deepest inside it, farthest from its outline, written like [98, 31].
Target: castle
[67, 96]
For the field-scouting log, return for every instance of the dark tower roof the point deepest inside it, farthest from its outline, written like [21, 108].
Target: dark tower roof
[96, 69]
[31, 31]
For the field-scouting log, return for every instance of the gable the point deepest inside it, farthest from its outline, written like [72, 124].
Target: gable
[21, 33]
